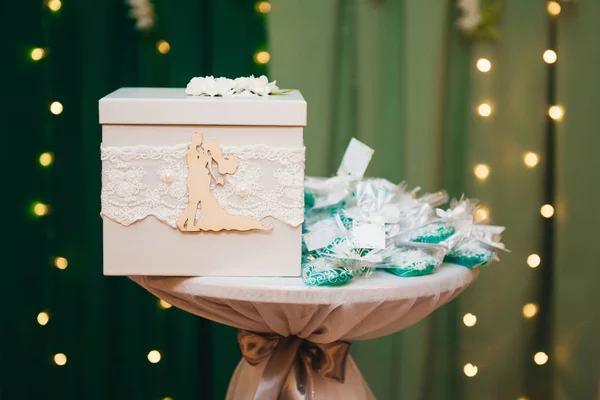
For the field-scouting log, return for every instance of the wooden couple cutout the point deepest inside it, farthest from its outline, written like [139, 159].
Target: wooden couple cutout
[200, 155]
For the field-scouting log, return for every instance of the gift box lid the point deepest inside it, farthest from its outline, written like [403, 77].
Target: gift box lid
[166, 106]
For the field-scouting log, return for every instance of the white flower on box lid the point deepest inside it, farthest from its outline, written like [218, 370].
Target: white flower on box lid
[260, 86]
[220, 87]
[242, 83]
[243, 87]
[209, 86]
[197, 86]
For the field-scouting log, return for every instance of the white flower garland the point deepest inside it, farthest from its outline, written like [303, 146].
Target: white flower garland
[245, 86]
[143, 13]
[471, 15]
[479, 19]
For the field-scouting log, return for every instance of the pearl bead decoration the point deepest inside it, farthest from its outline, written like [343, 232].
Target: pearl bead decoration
[242, 192]
[168, 176]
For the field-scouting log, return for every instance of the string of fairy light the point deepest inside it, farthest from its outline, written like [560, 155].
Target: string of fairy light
[531, 159]
[46, 160]
[541, 332]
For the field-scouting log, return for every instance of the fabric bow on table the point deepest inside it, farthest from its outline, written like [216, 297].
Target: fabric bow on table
[292, 363]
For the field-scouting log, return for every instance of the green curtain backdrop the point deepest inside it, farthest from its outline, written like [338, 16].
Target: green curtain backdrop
[398, 75]
[104, 325]
[577, 321]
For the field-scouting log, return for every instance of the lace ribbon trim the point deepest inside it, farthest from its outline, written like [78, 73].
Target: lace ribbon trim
[141, 181]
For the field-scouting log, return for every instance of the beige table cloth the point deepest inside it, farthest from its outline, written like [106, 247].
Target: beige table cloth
[366, 308]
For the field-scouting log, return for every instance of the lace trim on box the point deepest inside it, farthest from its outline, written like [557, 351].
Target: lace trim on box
[141, 181]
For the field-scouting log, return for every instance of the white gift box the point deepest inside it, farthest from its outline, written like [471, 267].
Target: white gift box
[145, 150]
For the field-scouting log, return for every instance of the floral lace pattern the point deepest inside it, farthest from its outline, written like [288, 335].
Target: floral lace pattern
[141, 181]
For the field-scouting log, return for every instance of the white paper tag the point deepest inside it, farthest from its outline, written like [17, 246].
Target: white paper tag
[370, 236]
[356, 159]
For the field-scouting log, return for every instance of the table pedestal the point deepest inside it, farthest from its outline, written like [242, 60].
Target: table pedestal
[364, 309]
[246, 379]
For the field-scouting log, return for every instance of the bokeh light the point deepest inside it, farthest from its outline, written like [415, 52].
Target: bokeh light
[556, 113]
[550, 56]
[484, 65]
[46, 159]
[553, 8]
[470, 320]
[163, 304]
[530, 310]
[481, 171]
[154, 356]
[60, 359]
[484, 109]
[470, 370]
[163, 46]
[540, 358]
[263, 7]
[531, 159]
[37, 54]
[43, 318]
[533, 260]
[262, 57]
[56, 107]
[547, 211]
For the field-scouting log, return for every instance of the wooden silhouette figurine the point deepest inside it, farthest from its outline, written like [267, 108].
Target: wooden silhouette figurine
[213, 217]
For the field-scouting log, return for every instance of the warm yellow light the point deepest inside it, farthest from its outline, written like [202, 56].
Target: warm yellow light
[556, 112]
[163, 304]
[482, 214]
[40, 209]
[167, 398]
[522, 398]
[470, 370]
[60, 359]
[470, 319]
[530, 310]
[37, 54]
[154, 356]
[481, 171]
[56, 108]
[531, 159]
[54, 5]
[547, 211]
[163, 46]
[550, 56]
[484, 65]
[534, 260]
[484, 109]
[263, 7]
[43, 318]
[553, 7]
[61, 262]
[46, 159]
[262, 57]
[540, 358]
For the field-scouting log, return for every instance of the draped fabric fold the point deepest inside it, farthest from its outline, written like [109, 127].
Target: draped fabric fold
[301, 351]
[291, 363]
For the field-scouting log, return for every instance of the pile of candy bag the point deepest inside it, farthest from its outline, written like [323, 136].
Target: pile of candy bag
[354, 226]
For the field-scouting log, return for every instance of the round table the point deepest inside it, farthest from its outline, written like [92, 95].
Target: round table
[292, 334]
